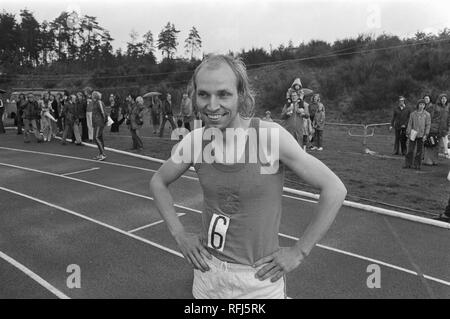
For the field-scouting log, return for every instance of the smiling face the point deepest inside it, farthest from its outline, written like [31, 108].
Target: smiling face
[217, 95]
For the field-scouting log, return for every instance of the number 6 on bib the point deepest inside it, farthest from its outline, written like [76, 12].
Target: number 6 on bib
[218, 231]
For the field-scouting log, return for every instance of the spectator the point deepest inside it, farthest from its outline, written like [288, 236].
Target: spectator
[54, 112]
[445, 216]
[167, 114]
[318, 125]
[186, 111]
[295, 87]
[136, 122]
[81, 110]
[30, 118]
[315, 102]
[71, 121]
[90, 129]
[399, 122]
[60, 109]
[2, 111]
[417, 130]
[20, 105]
[115, 112]
[99, 119]
[440, 123]
[292, 118]
[268, 117]
[47, 119]
[156, 108]
[180, 132]
[314, 106]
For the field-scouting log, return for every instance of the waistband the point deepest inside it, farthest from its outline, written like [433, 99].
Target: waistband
[230, 267]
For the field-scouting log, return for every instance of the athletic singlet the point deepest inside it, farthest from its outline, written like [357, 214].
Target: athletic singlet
[242, 208]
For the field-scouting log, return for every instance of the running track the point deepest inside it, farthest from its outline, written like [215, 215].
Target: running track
[58, 207]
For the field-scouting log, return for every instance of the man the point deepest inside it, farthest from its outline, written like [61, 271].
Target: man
[136, 122]
[31, 115]
[156, 113]
[399, 122]
[167, 114]
[186, 111]
[237, 254]
[71, 121]
[2, 110]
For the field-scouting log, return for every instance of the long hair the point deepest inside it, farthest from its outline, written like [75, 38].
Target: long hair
[246, 106]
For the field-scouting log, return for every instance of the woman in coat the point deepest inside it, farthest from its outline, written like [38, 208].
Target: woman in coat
[440, 123]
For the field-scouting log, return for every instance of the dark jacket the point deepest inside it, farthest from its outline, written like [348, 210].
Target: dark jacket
[167, 108]
[31, 111]
[400, 117]
[70, 112]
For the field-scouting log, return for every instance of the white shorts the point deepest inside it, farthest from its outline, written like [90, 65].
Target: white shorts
[234, 281]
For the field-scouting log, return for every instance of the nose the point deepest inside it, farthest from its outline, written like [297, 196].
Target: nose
[213, 104]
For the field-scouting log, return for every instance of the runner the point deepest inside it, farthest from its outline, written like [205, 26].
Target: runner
[237, 254]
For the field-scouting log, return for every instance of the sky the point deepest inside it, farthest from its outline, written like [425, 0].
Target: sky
[235, 25]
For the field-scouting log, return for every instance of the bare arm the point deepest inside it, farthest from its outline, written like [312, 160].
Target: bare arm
[315, 173]
[190, 245]
[332, 195]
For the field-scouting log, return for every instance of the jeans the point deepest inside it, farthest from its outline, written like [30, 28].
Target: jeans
[400, 140]
[72, 127]
[318, 136]
[172, 124]
[89, 125]
[416, 160]
[2, 128]
[30, 123]
[98, 137]
[137, 142]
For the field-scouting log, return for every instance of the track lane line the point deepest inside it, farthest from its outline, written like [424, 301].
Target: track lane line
[34, 276]
[149, 242]
[82, 171]
[355, 205]
[441, 281]
[152, 224]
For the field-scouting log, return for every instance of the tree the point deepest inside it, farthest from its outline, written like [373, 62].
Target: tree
[9, 35]
[29, 35]
[135, 49]
[167, 40]
[193, 42]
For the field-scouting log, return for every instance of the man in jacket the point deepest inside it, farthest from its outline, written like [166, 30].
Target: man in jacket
[31, 115]
[167, 114]
[399, 122]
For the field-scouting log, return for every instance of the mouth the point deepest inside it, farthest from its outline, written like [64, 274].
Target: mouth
[216, 117]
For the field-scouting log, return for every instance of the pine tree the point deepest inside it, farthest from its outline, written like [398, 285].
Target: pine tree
[167, 40]
[193, 42]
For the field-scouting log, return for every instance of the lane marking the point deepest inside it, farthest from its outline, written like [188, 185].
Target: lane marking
[149, 242]
[34, 276]
[90, 160]
[363, 207]
[410, 258]
[441, 281]
[152, 224]
[83, 171]
[141, 239]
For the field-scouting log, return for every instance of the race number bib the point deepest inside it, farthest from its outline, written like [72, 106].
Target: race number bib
[217, 232]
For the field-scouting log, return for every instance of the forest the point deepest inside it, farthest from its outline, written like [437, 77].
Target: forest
[359, 78]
